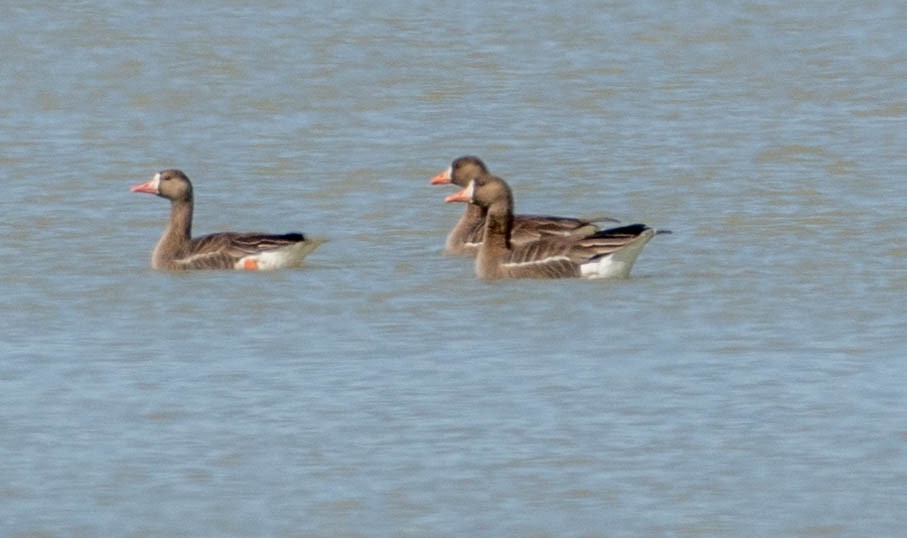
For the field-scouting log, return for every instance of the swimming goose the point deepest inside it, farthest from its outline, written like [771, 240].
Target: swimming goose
[177, 250]
[466, 235]
[604, 253]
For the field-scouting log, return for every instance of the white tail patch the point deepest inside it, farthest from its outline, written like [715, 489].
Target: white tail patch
[619, 263]
[279, 258]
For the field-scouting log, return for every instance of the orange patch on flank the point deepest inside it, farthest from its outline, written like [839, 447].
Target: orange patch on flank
[250, 264]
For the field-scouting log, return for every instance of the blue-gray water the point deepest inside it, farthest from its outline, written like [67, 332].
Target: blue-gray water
[748, 379]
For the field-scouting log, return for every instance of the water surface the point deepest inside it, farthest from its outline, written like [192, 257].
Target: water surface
[746, 380]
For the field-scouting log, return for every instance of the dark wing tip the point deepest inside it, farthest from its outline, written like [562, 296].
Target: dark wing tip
[295, 236]
[631, 229]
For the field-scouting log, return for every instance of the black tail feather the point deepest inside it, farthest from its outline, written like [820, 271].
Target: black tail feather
[630, 229]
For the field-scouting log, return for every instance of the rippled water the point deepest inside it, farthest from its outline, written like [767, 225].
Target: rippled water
[748, 379]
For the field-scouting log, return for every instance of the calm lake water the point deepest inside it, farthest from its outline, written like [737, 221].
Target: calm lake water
[747, 380]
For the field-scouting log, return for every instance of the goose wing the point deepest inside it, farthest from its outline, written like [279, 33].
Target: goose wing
[545, 258]
[223, 250]
[562, 257]
[527, 228]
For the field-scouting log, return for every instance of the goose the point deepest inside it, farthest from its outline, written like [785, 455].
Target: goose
[600, 254]
[178, 250]
[466, 235]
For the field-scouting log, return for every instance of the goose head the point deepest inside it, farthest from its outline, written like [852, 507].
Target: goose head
[171, 184]
[484, 191]
[461, 171]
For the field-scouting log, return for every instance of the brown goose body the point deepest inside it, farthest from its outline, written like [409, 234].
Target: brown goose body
[178, 250]
[467, 234]
[601, 254]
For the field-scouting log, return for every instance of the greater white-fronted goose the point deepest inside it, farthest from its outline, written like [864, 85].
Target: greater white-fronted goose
[466, 235]
[604, 253]
[178, 250]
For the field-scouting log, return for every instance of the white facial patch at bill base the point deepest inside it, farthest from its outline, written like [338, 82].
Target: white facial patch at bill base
[471, 191]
